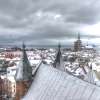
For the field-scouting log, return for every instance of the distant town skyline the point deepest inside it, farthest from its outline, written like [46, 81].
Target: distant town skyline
[42, 22]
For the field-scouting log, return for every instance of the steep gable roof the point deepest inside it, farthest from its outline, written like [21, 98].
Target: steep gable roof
[52, 84]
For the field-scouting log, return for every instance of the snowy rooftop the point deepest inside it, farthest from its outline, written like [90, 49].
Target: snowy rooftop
[52, 84]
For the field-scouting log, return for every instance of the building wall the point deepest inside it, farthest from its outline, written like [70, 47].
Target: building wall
[21, 89]
[13, 89]
[1, 88]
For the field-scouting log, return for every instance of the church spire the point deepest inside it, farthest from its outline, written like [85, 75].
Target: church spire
[24, 71]
[78, 36]
[58, 63]
[23, 46]
[58, 55]
[23, 75]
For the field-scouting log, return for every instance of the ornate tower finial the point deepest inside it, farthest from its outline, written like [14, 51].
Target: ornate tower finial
[23, 46]
[59, 46]
[78, 36]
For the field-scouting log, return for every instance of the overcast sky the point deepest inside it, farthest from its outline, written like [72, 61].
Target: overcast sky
[49, 21]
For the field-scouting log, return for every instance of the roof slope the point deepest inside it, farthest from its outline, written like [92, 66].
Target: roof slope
[52, 84]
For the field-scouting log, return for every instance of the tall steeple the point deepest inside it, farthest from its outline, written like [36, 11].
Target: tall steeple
[24, 71]
[27, 71]
[58, 56]
[23, 75]
[58, 63]
[78, 36]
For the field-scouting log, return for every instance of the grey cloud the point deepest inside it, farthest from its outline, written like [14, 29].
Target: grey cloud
[19, 16]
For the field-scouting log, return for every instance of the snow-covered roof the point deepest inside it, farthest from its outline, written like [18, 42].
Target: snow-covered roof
[34, 62]
[89, 46]
[90, 77]
[52, 84]
[11, 71]
[11, 78]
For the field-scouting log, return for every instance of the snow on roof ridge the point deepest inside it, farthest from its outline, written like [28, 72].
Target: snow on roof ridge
[36, 68]
[49, 82]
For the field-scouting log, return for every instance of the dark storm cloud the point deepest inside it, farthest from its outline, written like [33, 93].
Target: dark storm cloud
[39, 21]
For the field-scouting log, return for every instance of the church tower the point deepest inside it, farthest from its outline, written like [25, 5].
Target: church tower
[23, 76]
[58, 63]
[78, 44]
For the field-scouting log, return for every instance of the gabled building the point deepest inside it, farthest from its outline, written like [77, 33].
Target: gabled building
[23, 76]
